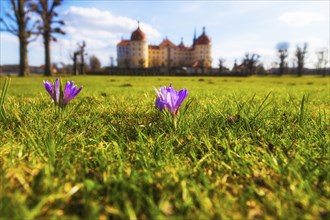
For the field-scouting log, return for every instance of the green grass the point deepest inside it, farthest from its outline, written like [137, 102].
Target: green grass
[245, 148]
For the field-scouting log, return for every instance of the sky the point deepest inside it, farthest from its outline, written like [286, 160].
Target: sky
[234, 27]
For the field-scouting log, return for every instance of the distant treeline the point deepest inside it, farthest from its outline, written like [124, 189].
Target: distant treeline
[14, 69]
[209, 72]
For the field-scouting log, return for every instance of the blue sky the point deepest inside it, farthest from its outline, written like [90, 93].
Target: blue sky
[235, 27]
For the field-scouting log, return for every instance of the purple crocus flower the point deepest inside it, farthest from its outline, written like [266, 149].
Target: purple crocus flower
[53, 90]
[59, 96]
[70, 91]
[169, 98]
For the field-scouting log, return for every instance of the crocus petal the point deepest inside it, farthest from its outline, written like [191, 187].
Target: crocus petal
[77, 91]
[61, 98]
[70, 92]
[49, 88]
[181, 96]
[67, 93]
[57, 91]
[156, 90]
[162, 92]
[159, 104]
[169, 98]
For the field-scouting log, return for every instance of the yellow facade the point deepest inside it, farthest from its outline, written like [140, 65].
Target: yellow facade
[136, 53]
[139, 54]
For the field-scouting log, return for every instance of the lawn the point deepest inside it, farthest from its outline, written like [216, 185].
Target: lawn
[244, 148]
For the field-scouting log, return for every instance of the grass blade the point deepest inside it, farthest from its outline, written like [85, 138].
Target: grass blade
[302, 111]
[2, 99]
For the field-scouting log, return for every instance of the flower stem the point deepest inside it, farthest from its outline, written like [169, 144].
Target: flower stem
[175, 120]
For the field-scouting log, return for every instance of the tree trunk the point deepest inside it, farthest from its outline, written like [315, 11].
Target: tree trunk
[281, 68]
[48, 67]
[23, 63]
[82, 65]
[300, 69]
[75, 63]
[23, 41]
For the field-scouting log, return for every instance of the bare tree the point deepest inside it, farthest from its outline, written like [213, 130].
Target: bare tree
[260, 69]
[82, 57]
[46, 10]
[322, 60]
[221, 66]
[234, 69]
[250, 61]
[112, 60]
[18, 24]
[78, 59]
[74, 59]
[282, 52]
[94, 63]
[300, 58]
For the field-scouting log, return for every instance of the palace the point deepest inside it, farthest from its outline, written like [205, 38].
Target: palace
[136, 53]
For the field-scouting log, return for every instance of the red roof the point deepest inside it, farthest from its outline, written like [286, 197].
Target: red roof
[203, 39]
[155, 47]
[123, 43]
[138, 35]
[181, 46]
[166, 42]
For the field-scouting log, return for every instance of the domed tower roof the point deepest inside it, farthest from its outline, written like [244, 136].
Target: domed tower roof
[203, 39]
[138, 35]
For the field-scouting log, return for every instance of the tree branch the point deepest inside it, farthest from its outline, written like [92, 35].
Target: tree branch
[55, 4]
[13, 4]
[36, 35]
[34, 26]
[59, 22]
[57, 30]
[8, 28]
[35, 8]
[10, 16]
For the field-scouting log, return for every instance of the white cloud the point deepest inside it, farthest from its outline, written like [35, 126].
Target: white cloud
[95, 19]
[100, 29]
[300, 18]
